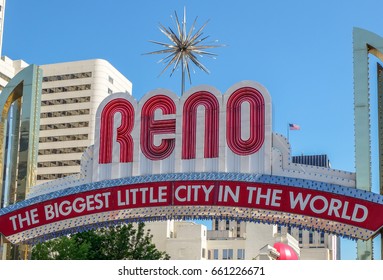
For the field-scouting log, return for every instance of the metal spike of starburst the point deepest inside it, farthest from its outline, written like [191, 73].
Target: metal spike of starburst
[184, 48]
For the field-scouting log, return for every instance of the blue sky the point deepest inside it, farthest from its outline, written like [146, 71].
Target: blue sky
[301, 51]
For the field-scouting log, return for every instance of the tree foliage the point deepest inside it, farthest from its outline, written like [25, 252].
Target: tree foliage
[123, 242]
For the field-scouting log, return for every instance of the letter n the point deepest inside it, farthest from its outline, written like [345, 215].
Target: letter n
[189, 133]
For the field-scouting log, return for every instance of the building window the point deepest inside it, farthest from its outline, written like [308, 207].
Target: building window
[209, 254]
[215, 224]
[227, 225]
[110, 79]
[66, 89]
[65, 113]
[300, 236]
[58, 151]
[215, 254]
[227, 254]
[59, 163]
[322, 237]
[289, 230]
[67, 77]
[241, 254]
[203, 253]
[63, 125]
[53, 176]
[110, 91]
[66, 101]
[311, 237]
[231, 254]
[279, 229]
[63, 138]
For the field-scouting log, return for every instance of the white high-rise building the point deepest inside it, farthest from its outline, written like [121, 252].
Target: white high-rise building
[8, 69]
[231, 240]
[309, 244]
[182, 240]
[228, 240]
[314, 245]
[71, 93]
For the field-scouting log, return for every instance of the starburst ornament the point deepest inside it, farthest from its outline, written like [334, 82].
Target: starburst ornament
[184, 48]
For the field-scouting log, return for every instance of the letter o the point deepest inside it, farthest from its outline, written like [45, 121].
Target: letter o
[325, 204]
[234, 139]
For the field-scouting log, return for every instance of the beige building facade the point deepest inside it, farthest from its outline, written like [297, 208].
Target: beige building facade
[71, 93]
[227, 240]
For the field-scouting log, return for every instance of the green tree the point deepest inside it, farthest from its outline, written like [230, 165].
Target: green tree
[123, 242]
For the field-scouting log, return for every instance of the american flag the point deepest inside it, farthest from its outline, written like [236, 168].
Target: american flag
[293, 126]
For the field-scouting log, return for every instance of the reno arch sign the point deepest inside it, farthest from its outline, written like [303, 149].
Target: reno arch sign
[203, 131]
[200, 156]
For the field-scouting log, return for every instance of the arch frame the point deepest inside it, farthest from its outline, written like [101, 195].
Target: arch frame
[365, 43]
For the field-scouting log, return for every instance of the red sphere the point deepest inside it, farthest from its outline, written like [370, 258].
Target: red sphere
[285, 251]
